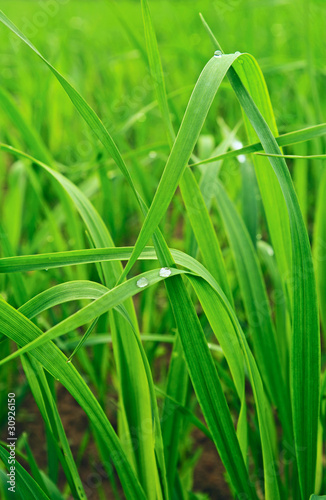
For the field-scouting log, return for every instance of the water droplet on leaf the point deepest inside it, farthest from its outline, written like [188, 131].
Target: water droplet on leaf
[217, 53]
[165, 272]
[142, 282]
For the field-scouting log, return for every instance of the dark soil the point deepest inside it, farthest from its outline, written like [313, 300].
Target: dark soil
[208, 474]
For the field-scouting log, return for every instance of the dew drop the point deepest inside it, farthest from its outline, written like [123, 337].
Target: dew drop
[270, 251]
[45, 269]
[238, 145]
[142, 282]
[217, 53]
[68, 360]
[165, 272]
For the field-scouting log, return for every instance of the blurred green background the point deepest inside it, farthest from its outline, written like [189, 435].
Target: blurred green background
[98, 46]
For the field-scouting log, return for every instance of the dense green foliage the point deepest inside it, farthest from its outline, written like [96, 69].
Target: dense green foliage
[123, 167]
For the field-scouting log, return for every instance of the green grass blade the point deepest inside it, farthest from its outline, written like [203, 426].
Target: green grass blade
[156, 69]
[25, 482]
[73, 290]
[204, 231]
[288, 139]
[73, 257]
[257, 308]
[208, 389]
[214, 303]
[266, 253]
[272, 198]
[44, 400]
[83, 339]
[18, 281]
[319, 243]
[99, 306]
[196, 112]
[183, 409]
[295, 157]
[30, 136]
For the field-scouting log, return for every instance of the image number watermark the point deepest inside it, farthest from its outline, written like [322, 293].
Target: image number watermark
[11, 444]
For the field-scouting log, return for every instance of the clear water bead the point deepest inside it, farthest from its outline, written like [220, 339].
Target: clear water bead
[68, 360]
[238, 145]
[165, 272]
[142, 282]
[217, 53]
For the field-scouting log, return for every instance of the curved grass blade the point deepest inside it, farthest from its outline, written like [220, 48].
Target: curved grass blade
[25, 482]
[99, 306]
[271, 194]
[17, 327]
[288, 139]
[65, 292]
[74, 257]
[196, 112]
[83, 339]
[304, 157]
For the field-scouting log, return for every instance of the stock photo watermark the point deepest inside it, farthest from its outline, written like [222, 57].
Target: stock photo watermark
[11, 444]
[48, 9]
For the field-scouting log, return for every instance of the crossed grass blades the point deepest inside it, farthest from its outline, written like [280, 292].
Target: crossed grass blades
[278, 353]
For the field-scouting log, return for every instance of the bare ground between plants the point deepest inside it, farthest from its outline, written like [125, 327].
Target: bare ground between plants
[208, 474]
